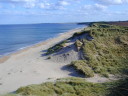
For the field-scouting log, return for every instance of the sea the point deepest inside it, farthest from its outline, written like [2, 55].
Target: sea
[17, 37]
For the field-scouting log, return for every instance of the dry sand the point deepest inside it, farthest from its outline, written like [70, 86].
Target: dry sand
[30, 66]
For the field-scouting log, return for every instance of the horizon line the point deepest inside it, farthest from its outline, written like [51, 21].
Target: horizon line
[63, 22]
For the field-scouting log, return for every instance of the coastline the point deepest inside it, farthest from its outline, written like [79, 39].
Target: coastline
[5, 57]
[28, 66]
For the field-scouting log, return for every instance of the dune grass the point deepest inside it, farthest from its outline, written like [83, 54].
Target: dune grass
[82, 67]
[107, 53]
[56, 47]
[75, 87]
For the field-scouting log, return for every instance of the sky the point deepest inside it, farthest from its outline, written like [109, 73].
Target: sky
[62, 11]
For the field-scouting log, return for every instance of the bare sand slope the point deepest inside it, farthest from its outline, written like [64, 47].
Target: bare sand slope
[30, 67]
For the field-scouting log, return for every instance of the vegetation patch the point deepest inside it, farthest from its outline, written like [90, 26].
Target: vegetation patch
[78, 44]
[108, 52]
[82, 67]
[78, 34]
[56, 48]
[75, 87]
[82, 32]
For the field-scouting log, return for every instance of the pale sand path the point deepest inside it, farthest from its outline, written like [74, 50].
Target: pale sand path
[29, 67]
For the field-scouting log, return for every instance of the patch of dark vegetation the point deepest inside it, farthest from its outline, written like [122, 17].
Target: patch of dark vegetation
[119, 88]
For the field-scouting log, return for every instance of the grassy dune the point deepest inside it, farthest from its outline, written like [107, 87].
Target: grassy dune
[107, 53]
[75, 87]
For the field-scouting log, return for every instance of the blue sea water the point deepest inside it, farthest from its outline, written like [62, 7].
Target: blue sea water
[16, 37]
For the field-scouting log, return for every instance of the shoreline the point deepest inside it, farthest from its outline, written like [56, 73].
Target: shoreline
[29, 66]
[3, 58]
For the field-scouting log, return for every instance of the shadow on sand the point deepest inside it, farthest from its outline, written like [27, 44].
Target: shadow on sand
[73, 71]
[43, 53]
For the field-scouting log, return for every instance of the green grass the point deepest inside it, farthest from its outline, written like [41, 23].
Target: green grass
[107, 53]
[75, 87]
[82, 67]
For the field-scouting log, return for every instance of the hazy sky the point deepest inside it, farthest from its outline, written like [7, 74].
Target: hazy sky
[46, 11]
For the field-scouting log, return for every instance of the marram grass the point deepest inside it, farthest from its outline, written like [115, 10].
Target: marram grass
[75, 87]
[107, 53]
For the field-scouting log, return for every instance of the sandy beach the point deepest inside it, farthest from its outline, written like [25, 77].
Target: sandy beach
[29, 66]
